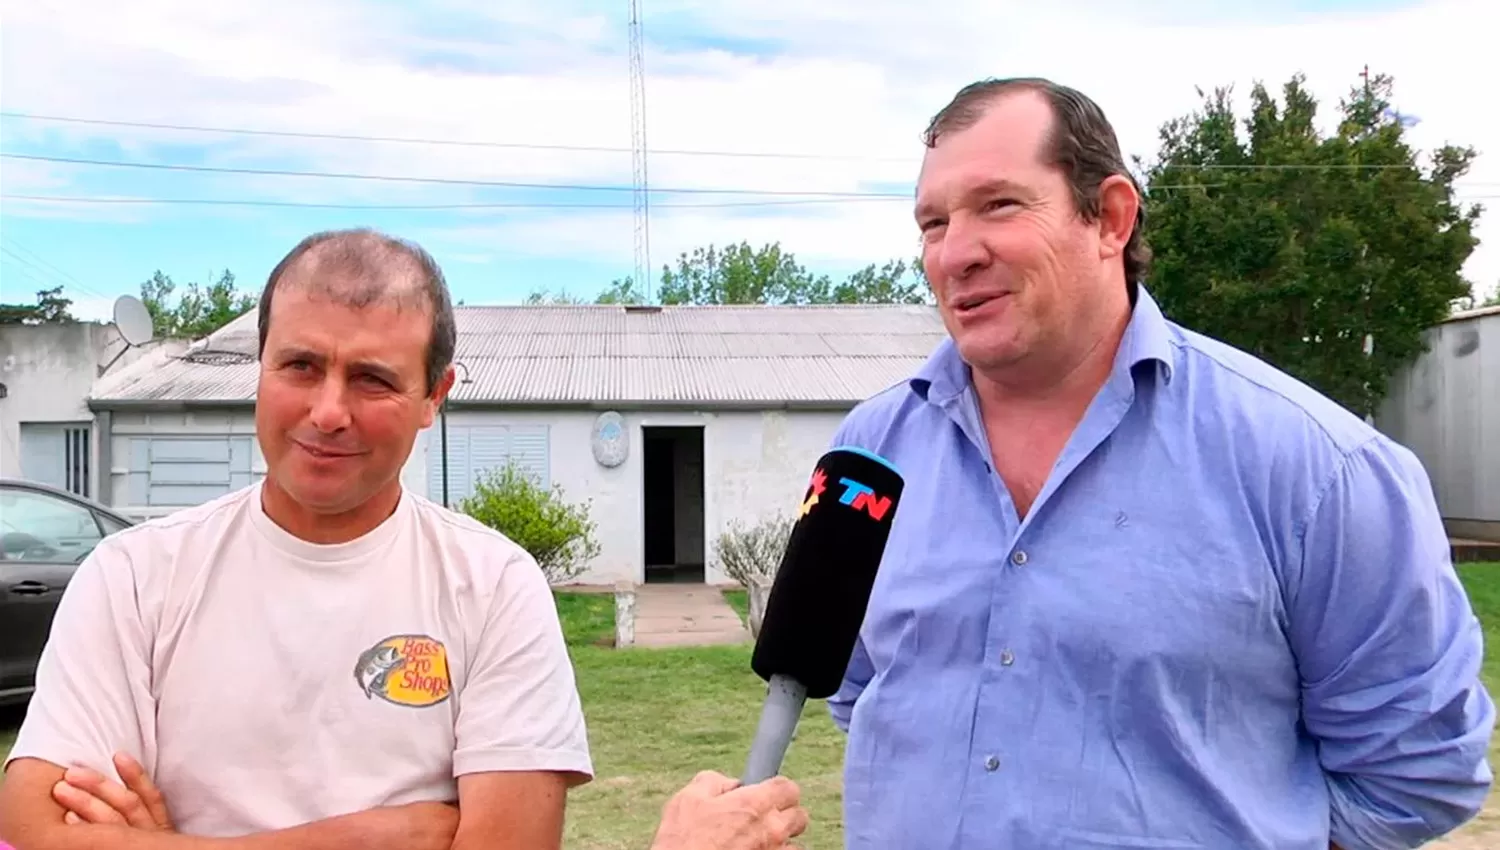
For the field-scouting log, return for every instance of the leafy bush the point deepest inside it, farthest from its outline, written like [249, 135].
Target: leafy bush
[559, 535]
[744, 553]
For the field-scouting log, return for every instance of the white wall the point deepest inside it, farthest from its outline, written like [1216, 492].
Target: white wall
[48, 372]
[755, 464]
[217, 423]
[128, 424]
[1445, 407]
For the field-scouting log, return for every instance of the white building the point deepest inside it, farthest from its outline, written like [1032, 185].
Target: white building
[46, 374]
[1445, 407]
[722, 412]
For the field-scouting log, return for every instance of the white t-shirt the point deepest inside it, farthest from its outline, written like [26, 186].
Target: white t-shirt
[265, 682]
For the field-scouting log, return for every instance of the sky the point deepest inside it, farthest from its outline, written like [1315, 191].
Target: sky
[766, 121]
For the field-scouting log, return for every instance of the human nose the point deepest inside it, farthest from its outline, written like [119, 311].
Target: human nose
[962, 250]
[330, 409]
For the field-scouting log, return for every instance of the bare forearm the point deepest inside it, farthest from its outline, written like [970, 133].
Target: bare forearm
[333, 834]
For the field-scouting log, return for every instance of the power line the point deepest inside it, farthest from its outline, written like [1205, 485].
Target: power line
[26, 272]
[1288, 166]
[77, 199]
[352, 137]
[448, 181]
[15, 246]
[31, 270]
[253, 202]
[51, 272]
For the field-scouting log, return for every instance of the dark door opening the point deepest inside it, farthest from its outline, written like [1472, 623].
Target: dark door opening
[672, 480]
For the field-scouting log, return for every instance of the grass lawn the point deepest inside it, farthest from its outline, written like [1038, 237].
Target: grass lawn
[1482, 581]
[656, 716]
[739, 600]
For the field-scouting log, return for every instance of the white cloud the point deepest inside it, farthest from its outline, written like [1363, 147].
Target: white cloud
[854, 78]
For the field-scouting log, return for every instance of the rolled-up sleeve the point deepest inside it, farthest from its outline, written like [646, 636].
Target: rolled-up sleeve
[1389, 651]
[856, 677]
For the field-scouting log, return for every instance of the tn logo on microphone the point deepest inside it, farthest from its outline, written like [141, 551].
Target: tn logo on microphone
[856, 495]
[861, 497]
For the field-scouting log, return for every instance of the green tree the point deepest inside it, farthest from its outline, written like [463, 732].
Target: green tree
[557, 533]
[740, 274]
[888, 284]
[50, 308]
[548, 296]
[1472, 300]
[621, 291]
[1326, 254]
[198, 311]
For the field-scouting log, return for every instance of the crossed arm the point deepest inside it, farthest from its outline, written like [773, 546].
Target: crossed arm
[44, 807]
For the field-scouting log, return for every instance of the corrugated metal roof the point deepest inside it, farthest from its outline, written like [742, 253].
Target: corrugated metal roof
[740, 355]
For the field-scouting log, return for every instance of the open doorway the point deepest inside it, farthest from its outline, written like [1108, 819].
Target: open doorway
[672, 479]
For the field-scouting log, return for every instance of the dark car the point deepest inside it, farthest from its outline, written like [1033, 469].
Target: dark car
[45, 533]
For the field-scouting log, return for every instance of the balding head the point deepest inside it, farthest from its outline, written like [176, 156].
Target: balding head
[1081, 143]
[363, 267]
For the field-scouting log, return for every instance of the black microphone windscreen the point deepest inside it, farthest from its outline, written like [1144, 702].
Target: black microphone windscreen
[817, 602]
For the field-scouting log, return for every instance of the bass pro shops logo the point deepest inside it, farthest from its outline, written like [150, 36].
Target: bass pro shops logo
[410, 670]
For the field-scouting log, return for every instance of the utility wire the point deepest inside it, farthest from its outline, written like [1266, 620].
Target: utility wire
[806, 195]
[450, 181]
[16, 246]
[354, 137]
[248, 202]
[254, 202]
[350, 137]
[35, 272]
[50, 271]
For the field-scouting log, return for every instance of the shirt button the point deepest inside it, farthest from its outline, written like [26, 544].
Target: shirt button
[1018, 557]
[992, 764]
[1007, 658]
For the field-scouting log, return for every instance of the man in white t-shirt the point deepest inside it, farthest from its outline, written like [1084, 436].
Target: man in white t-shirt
[325, 659]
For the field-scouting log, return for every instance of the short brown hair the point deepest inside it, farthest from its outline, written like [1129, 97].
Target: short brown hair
[367, 258]
[1082, 145]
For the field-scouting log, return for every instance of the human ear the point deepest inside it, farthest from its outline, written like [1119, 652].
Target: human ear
[1118, 204]
[438, 396]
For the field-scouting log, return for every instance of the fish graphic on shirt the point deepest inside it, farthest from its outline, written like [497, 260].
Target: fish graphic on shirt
[406, 669]
[375, 666]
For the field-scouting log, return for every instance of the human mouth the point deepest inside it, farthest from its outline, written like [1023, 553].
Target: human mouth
[324, 453]
[973, 303]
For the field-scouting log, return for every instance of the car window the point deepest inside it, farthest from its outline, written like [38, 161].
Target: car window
[110, 525]
[43, 528]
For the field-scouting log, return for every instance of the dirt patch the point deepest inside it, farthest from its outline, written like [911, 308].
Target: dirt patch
[1482, 833]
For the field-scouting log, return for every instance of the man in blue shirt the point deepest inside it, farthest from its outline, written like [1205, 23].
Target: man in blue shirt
[1143, 590]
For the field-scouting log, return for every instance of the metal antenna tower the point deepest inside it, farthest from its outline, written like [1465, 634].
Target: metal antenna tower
[638, 153]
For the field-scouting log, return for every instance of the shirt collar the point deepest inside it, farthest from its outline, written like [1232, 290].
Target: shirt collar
[1147, 337]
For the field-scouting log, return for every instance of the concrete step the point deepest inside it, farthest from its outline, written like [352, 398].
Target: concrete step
[1469, 551]
[685, 615]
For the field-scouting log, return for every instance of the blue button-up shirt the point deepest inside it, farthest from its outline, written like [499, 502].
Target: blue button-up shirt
[1229, 621]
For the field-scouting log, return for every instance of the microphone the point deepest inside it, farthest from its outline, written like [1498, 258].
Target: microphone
[822, 588]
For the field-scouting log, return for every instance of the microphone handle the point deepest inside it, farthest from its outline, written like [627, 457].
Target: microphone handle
[778, 720]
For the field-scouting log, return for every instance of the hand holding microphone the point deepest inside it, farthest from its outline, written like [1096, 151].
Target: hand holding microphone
[716, 813]
[822, 588]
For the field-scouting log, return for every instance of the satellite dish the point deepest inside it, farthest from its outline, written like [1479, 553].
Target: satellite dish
[133, 320]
